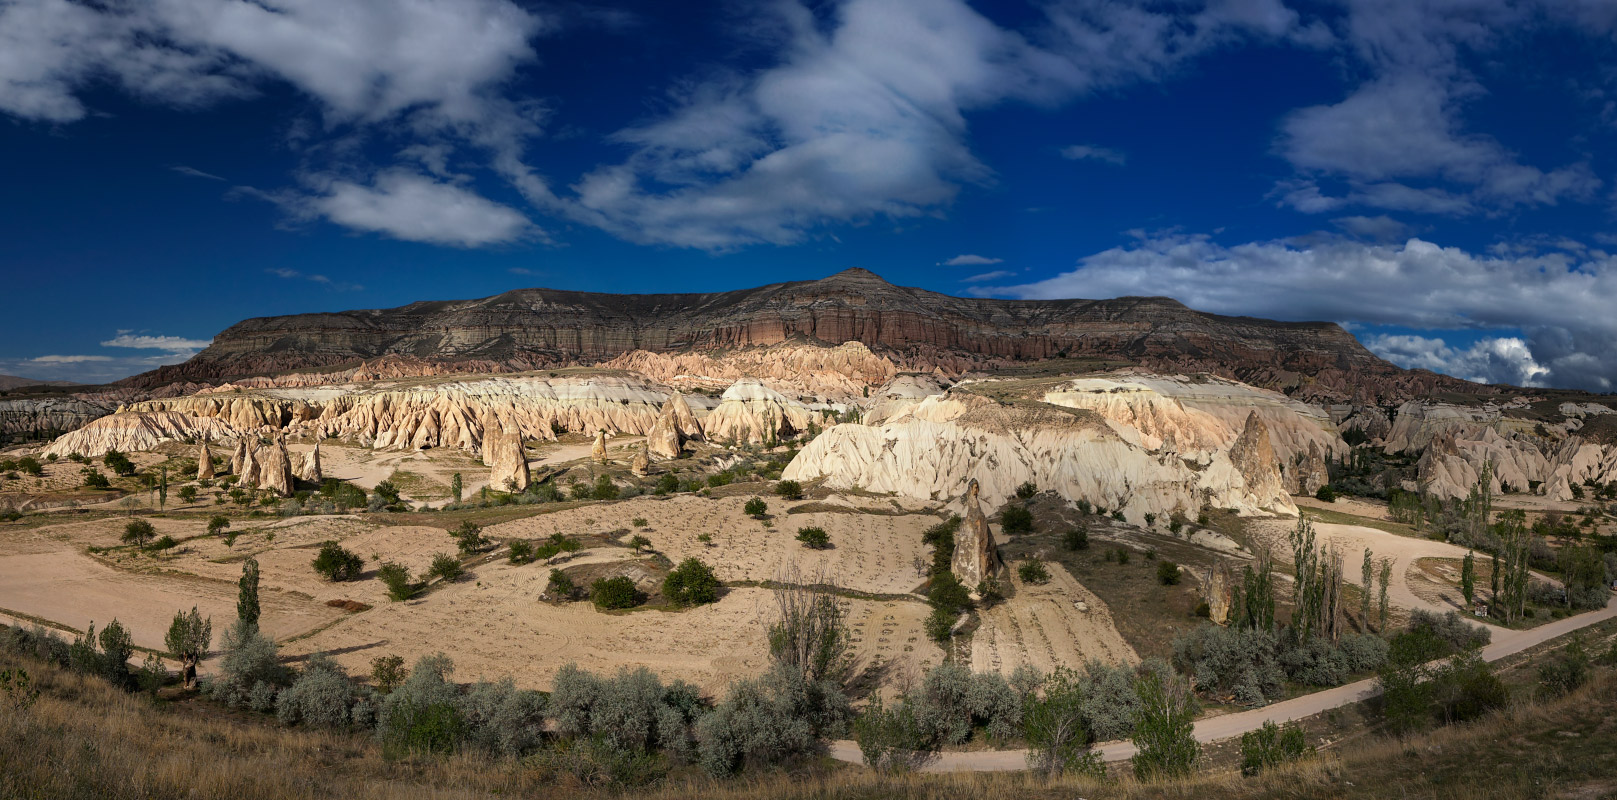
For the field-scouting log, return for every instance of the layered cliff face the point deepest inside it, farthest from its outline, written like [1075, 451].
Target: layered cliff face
[911, 328]
[934, 449]
[37, 415]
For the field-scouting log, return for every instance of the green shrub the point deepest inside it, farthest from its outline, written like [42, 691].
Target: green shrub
[1033, 571]
[1055, 726]
[756, 507]
[469, 538]
[445, 567]
[95, 480]
[334, 563]
[1167, 573]
[638, 543]
[1016, 519]
[1027, 490]
[321, 697]
[560, 586]
[947, 593]
[892, 740]
[1076, 538]
[118, 463]
[604, 489]
[1271, 746]
[614, 593]
[940, 623]
[691, 583]
[789, 490]
[387, 672]
[1566, 671]
[397, 579]
[422, 714]
[1163, 731]
[164, 542]
[1326, 493]
[138, 532]
[521, 552]
[814, 538]
[1122, 555]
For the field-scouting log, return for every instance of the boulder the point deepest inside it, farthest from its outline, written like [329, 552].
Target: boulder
[510, 463]
[640, 465]
[975, 556]
[310, 471]
[205, 463]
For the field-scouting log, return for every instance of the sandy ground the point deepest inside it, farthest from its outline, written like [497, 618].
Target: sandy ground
[874, 553]
[45, 573]
[1353, 540]
[1043, 627]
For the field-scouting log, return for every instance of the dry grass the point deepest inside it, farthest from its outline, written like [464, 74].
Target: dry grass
[86, 740]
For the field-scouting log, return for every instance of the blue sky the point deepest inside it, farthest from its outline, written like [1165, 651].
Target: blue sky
[1438, 175]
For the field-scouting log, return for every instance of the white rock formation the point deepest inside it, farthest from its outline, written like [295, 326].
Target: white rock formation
[663, 440]
[205, 463]
[598, 449]
[752, 413]
[976, 557]
[510, 463]
[640, 465]
[135, 432]
[900, 394]
[275, 468]
[945, 442]
[310, 470]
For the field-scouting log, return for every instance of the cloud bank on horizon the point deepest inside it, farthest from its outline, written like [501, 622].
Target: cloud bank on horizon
[1405, 185]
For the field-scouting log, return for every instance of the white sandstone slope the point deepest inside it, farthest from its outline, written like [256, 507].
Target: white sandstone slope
[936, 448]
[752, 413]
[131, 432]
[900, 394]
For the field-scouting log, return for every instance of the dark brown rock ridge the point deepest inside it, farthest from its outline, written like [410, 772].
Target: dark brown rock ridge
[531, 328]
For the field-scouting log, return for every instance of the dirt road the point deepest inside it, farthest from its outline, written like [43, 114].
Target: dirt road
[1213, 729]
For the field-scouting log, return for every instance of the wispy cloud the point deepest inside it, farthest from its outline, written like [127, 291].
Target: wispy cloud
[521, 271]
[68, 359]
[292, 274]
[989, 276]
[195, 173]
[173, 344]
[1082, 152]
[969, 260]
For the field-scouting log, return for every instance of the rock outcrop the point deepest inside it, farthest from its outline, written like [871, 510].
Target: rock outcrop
[1254, 457]
[510, 463]
[310, 470]
[663, 440]
[239, 456]
[1218, 590]
[251, 472]
[1308, 471]
[598, 449]
[33, 416]
[976, 558]
[205, 463]
[916, 329]
[752, 413]
[640, 465]
[135, 432]
[945, 442]
[275, 469]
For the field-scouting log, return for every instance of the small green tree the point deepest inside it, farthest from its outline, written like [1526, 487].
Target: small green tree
[188, 639]
[604, 489]
[387, 672]
[894, 740]
[560, 586]
[639, 543]
[445, 567]
[1076, 538]
[521, 551]
[118, 463]
[1367, 581]
[1027, 490]
[789, 490]
[1054, 724]
[188, 494]
[1386, 580]
[1168, 573]
[94, 479]
[756, 507]
[397, 580]
[247, 594]
[1468, 577]
[335, 563]
[456, 487]
[138, 532]
[691, 583]
[1164, 729]
[1271, 746]
[1016, 519]
[1033, 571]
[116, 649]
[614, 593]
[814, 538]
[162, 488]
[469, 538]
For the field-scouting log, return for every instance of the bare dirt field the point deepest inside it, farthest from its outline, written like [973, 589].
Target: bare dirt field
[1044, 627]
[872, 553]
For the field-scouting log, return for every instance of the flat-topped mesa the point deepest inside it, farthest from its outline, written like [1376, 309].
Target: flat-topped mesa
[534, 328]
[976, 558]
